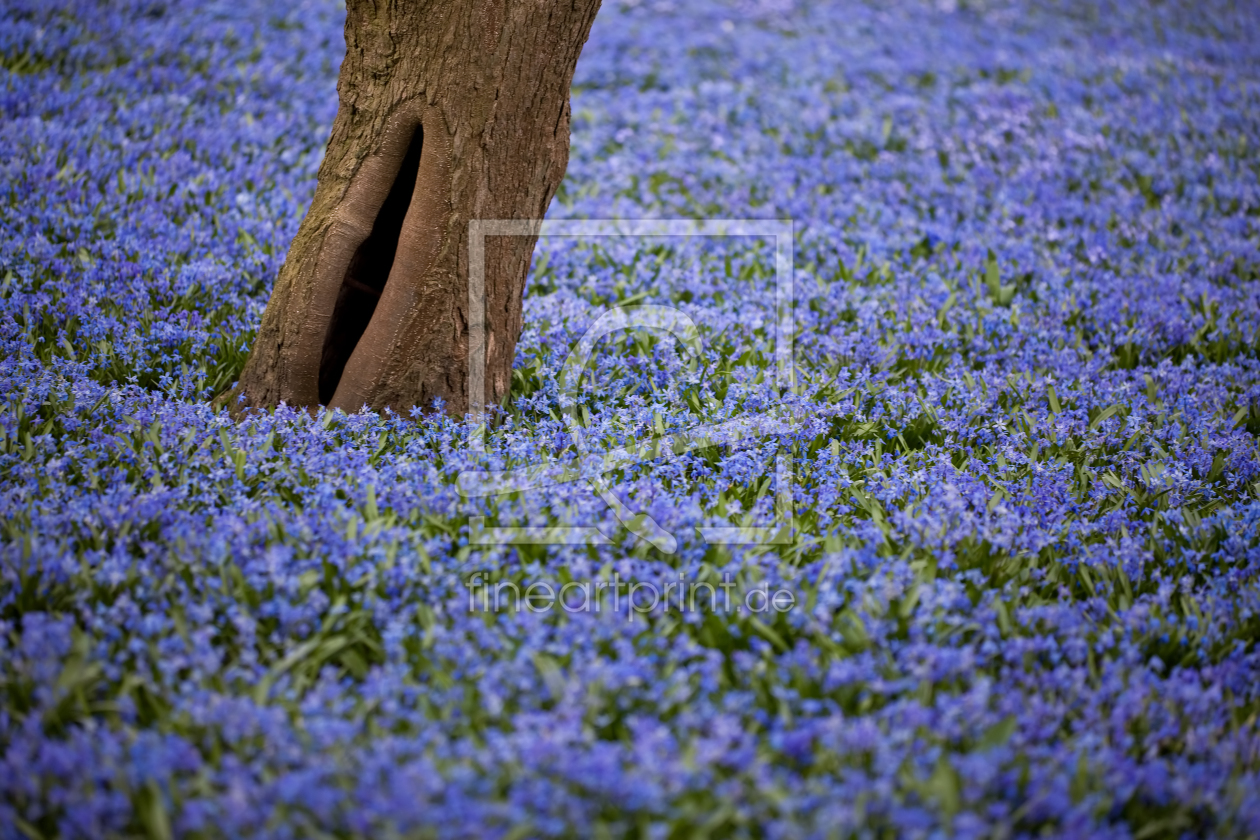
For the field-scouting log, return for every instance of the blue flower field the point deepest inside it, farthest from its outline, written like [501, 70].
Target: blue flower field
[1023, 556]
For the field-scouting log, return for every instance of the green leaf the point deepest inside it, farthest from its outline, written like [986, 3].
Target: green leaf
[999, 734]
[1218, 467]
[1001, 294]
[27, 829]
[551, 675]
[520, 831]
[1082, 780]
[1107, 412]
[767, 633]
[948, 305]
[1003, 618]
[945, 786]
[263, 689]
[152, 812]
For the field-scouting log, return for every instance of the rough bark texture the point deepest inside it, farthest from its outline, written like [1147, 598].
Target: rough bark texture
[450, 110]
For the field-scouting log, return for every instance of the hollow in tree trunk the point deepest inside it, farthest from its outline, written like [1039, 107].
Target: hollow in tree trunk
[449, 111]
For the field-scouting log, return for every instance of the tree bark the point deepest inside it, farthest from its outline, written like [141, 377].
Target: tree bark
[449, 111]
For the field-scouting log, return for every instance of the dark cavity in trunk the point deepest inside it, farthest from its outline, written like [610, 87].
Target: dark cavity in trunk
[367, 273]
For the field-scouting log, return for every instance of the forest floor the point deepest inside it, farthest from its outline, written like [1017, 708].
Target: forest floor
[1001, 510]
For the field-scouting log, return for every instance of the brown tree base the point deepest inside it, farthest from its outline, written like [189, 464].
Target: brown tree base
[449, 112]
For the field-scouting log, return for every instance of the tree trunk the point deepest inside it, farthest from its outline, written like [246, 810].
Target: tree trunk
[450, 110]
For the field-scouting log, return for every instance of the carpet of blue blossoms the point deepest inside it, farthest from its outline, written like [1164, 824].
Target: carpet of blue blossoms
[1023, 439]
